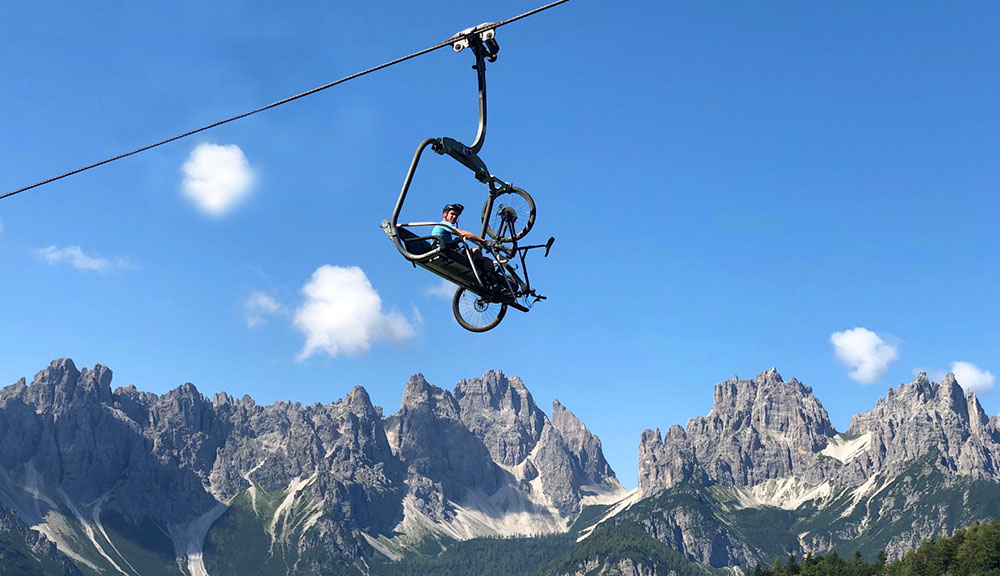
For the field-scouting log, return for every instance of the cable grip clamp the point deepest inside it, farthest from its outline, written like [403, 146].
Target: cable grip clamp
[478, 35]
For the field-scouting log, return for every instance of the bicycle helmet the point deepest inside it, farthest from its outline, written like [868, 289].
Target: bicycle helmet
[456, 207]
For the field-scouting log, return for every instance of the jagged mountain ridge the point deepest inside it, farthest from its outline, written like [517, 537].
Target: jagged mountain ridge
[767, 429]
[768, 444]
[89, 469]
[222, 485]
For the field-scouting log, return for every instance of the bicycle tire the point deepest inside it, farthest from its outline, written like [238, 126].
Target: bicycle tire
[476, 314]
[524, 206]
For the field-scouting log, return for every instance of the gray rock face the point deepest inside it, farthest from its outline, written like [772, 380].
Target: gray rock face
[770, 430]
[67, 427]
[757, 430]
[922, 416]
[502, 414]
[584, 446]
[24, 549]
[623, 567]
[432, 440]
[334, 473]
[172, 458]
[698, 536]
[490, 433]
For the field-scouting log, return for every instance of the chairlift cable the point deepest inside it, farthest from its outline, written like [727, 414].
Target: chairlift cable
[449, 42]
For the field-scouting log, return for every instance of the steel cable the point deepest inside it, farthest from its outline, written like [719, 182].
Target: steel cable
[449, 42]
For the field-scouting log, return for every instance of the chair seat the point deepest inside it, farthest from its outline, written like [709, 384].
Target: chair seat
[443, 263]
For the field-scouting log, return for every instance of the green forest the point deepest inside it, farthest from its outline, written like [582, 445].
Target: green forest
[971, 551]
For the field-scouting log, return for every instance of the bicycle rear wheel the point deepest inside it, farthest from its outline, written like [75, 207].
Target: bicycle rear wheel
[475, 313]
[518, 207]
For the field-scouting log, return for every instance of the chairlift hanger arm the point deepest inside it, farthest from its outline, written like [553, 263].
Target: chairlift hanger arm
[483, 42]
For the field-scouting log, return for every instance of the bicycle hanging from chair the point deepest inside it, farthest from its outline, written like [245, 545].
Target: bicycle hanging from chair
[508, 215]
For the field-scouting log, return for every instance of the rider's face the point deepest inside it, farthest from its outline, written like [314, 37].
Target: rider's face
[451, 216]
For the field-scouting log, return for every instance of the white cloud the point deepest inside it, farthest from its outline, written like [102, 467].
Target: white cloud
[259, 306]
[443, 289]
[75, 257]
[972, 377]
[217, 178]
[342, 314]
[864, 352]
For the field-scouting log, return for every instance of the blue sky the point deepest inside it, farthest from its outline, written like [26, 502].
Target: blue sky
[733, 186]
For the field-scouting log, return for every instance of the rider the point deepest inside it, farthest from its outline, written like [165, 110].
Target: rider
[446, 232]
[447, 229]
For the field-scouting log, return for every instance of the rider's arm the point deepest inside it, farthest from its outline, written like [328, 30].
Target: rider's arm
[470, 235]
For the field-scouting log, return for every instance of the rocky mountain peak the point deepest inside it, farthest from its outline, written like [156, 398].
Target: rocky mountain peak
[428, 434]
[650, 436]
[185, 408]
[495, 392]
[977, 416]
[921, 416]
[757, 430]
[222, 399]
[498, 442]
[421, 395]
[582, 444]
[946, 400]
[920, 389]
[767, 404]
[502, 413]
[483, 460]
[61, 384]
[360, 403]
[952, 397]
[564, 420]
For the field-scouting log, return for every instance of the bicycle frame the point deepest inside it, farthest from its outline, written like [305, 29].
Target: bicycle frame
[519, 289]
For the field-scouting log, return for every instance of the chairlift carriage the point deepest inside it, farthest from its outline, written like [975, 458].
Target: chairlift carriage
[508, 215]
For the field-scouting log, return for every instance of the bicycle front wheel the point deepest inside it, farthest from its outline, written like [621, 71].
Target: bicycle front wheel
[512, 216]
[475, 313]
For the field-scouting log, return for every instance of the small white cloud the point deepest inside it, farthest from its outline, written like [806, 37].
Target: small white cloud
[75, 257]
[217, 178]
[342, 314]
[864, 352]
[972, 377]
[443, 289]
[259, 306]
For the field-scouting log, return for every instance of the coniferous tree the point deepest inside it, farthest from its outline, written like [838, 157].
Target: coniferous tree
[793, 567]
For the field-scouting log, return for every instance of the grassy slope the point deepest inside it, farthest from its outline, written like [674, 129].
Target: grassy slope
[479, 557]
[16, 560]
[146, 548]
[238, 542]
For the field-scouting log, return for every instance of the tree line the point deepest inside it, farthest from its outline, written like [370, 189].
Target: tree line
[971, 551]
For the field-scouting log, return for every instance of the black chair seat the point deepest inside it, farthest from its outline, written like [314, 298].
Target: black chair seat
[444, 264]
